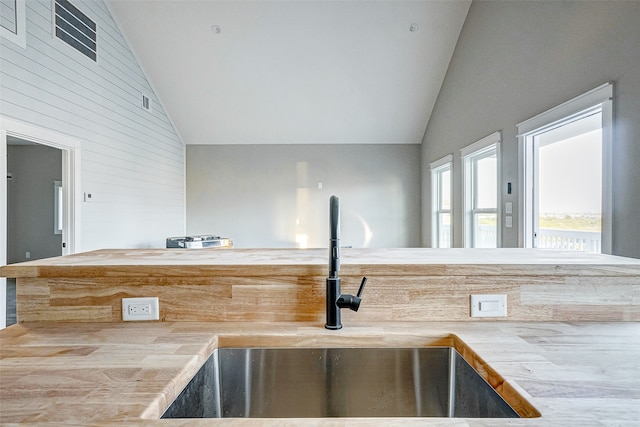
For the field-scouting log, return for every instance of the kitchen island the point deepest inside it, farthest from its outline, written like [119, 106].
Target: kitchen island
[570, 343]
[288, 285]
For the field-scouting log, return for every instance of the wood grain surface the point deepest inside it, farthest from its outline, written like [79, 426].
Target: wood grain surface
[574, 374]
[285, 285]
[269, 262]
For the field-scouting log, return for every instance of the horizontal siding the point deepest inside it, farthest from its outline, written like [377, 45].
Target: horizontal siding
[61, 66]
[132, 159]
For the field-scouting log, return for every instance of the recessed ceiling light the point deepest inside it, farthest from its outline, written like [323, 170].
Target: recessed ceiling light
[413, 27]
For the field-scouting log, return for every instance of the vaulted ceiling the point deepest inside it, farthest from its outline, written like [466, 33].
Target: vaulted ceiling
[302, 71]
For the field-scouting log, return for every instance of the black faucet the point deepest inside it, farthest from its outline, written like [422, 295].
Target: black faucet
[336, 301]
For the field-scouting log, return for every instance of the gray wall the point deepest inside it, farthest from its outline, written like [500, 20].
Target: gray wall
[517, 59]
[30, 202]
[132, 160]
[263, 195]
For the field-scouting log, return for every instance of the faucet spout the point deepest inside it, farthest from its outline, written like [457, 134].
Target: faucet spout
[334, 299]
[334, 236]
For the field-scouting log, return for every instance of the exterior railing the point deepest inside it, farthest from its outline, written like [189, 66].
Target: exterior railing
[548, 238]
[486, 236]
[570, 240]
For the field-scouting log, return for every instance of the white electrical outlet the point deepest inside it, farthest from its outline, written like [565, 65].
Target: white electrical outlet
[140, 309]
[488, 305]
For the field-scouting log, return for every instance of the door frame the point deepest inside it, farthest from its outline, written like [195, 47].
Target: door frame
[71, 157]
[602, 97]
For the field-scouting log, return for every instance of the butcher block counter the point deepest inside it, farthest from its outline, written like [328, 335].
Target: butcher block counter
[288, 285]
[574, 374]
[252, 262]
[569, 345]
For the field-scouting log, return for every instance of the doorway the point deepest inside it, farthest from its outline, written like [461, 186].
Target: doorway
[14, 133]
[565, 173]
[567, 199]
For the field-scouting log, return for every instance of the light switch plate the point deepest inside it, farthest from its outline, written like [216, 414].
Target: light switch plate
[140, 309]
[508, 221]
[489, 305]
[508, 207]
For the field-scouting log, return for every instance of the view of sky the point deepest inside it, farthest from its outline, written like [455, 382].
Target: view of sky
[571, 175]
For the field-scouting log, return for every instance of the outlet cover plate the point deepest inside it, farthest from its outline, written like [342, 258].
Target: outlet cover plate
[489, 305]
[140, 309]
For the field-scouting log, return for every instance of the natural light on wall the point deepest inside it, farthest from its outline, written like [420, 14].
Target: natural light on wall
[302, 205]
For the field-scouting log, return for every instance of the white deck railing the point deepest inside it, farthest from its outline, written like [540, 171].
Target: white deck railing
[571, 240]
[548, 238]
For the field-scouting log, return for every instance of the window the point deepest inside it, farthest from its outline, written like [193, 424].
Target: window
[13, 21]
[565, 164]
[480, 179]
[441, 230]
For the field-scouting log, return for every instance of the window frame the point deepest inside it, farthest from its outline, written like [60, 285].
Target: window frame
[470, 155]
[20, 36]
[599, 98]
[437, 169]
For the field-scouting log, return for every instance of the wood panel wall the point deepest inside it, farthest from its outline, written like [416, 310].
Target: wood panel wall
[302, 298]
[132, 159]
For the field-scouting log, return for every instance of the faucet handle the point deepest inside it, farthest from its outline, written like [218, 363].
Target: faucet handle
[361, 289]
[352, 302]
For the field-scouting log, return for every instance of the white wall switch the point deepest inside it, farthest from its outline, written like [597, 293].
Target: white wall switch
[140, 309]
[488, 305]
[508, 221]
[508, 207]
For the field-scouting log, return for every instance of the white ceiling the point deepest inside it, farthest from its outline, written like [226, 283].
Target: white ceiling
[305, 71]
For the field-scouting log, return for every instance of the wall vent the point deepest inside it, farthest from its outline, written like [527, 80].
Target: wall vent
[146, 102]
[75, 28]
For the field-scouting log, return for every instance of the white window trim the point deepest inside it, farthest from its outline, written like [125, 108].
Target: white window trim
[599, 97]
[441, 162]
[20, 36]
[474, 150]
[436, 167]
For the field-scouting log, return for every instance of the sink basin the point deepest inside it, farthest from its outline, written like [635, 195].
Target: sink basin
[338, 382]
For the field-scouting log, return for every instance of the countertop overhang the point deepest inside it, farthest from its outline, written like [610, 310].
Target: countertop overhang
[264, 262]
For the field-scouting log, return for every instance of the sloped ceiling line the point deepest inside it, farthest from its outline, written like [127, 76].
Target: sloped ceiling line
[294, 72]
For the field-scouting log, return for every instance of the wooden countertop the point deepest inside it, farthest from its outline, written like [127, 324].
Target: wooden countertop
[256, 262]
[575, 374]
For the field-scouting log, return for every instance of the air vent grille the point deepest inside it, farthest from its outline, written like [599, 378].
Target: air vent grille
[75, 28]
[146, 102]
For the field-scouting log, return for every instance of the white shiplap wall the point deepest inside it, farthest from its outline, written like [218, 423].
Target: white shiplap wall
[132, 160]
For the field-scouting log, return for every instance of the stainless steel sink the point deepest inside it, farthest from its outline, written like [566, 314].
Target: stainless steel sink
[338, 382]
